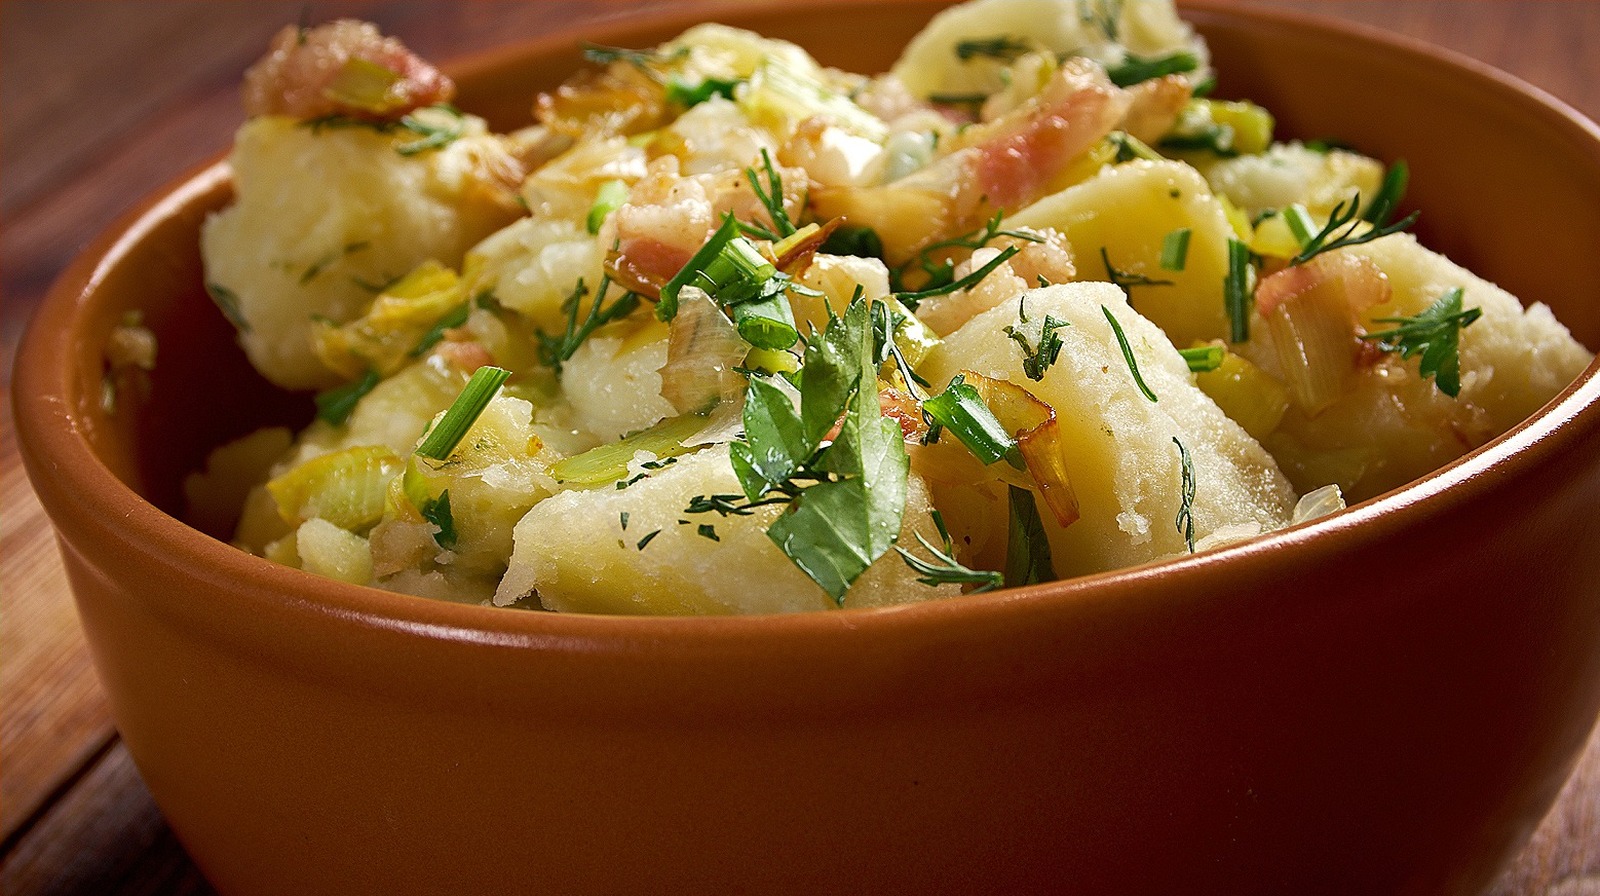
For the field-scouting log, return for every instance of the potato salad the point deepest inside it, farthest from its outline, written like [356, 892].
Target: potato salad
[723, 330]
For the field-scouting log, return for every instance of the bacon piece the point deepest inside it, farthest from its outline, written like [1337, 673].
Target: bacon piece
[345, 68]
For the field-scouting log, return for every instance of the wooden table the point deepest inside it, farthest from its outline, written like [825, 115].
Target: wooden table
[105, 102]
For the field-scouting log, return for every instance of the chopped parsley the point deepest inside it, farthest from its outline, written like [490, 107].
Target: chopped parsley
[438, 513]
[1037, 359]
[1435, 335]
[335, 405]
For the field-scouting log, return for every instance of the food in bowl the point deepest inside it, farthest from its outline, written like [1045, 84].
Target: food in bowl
[728, 332]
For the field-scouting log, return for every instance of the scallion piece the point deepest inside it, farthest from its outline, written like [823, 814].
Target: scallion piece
[1137, 68]
[961, 410]
[1203, 358]
[1175, 250]
[767, 323]
[1236, 293]
[1300, 224]
[335, 405]
[730, 275]
[610, 197]
[463, 412]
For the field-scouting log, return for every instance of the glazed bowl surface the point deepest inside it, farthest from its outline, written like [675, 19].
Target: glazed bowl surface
[1382, 701]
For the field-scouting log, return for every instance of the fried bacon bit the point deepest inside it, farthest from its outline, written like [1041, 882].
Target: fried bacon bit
[343, 68]
[904, 410]
[1155, 107]
[464, 355]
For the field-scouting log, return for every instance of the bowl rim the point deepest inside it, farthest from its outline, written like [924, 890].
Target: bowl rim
[64, 468]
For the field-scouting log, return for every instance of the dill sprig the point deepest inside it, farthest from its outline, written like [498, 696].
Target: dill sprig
[946, 569]
[1435, 334]
[1344, 219]
[555, 350]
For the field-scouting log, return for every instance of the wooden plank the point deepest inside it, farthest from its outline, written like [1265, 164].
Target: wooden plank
[106, 838]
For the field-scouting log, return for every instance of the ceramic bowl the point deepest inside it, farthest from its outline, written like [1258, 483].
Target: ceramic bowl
[1384, 701]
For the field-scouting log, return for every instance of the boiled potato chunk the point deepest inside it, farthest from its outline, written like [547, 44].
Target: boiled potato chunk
[325, 216]
[1127, 211]
[930, 65]
[613, 380]
[1290, 173]
[533, 265]
[1392, 425]
[577, 553]
[1120, 447]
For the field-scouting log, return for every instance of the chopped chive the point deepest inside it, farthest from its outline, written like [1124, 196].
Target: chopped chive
[1236, 293]
[1202, 358]
[1027, 545]
[1390, 192]
[453, 318]
[1137, 68]
[767, 323]
[1175, 249]
[1300, 224]
[335, 405]
[610, 197]
[705, 530]
[1127, 353]
[1002, 47]
[463, 412]
[961, 409]
[667, 308]
[623, 518]
[912, 299]
[862, 242]
[227, 301]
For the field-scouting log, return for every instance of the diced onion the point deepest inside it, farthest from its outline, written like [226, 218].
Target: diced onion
[1311, 312]
[703, 348]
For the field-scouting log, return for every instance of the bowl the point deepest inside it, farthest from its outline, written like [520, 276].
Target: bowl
[1386, 700]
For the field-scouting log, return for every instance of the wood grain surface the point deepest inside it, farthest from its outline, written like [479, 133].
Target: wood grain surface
[103, 102]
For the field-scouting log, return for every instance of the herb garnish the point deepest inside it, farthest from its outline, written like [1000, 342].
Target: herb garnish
[463, 412]
[961, 409]
[1127, 353]
[335, 405]
[1027, 547]
[912, 299]
[1135, 69]
[1390, 192]
[646, 540]
[438, 513]
[555, 350]
[1237, 292]
[644, 60]
[610, 197]
[862, 242]
[771, 198]
[1000, 47]
[1037, 360]
[942, 273]
[847, 496]
[1435, 334]
[1186, 489]
[1103, 14]
[453, 318]
[1127, 279]
[228, 303]
[948, 570]
[1344, 216]
[1175, 249]
[690, 95]
[431, 136]
[1203, 358]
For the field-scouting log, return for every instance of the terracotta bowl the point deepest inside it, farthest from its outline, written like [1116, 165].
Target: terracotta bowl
[1384, 701]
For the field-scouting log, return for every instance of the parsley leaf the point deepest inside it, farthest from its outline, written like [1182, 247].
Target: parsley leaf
[1027, 547]
[438, 513]
[1435, 334]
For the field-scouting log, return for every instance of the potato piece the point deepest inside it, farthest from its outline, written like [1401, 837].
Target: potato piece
[576, 552]
[325, 215]
[533, 265]
[1128, 210]
[1119, 445]
[327, 550]
[1391, 425]
[929, 64]
[614, 379]
[1289, 172]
